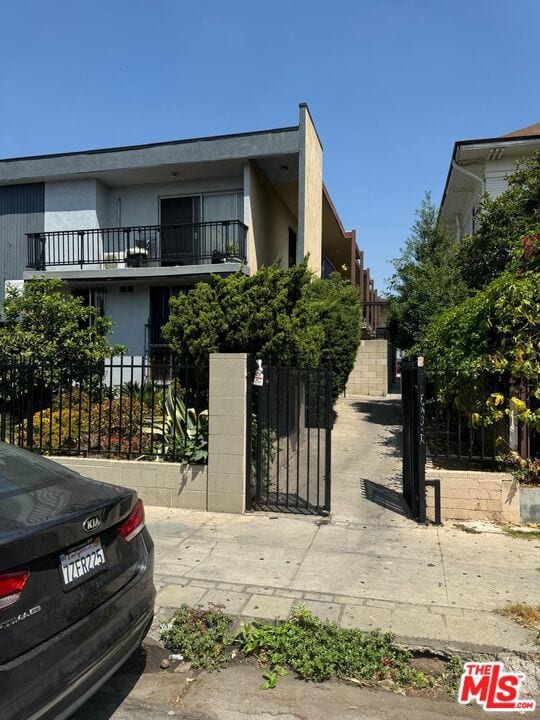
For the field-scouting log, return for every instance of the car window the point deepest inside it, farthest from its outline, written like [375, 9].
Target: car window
[21, 470]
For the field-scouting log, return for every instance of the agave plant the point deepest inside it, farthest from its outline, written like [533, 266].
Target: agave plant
[180, 432]
[149, 394]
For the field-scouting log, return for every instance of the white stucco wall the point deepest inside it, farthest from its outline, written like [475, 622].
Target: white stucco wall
[130, 312]
[140, 203]
[103, 205]
[71, 205]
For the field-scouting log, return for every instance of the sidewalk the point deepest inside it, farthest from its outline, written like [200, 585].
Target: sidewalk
[370, 566]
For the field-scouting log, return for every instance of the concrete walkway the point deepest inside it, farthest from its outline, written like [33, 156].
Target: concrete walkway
[366, 461]
[370, 566]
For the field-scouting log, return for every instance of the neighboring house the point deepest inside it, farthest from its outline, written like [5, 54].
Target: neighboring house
[482, 166]
[128, 227]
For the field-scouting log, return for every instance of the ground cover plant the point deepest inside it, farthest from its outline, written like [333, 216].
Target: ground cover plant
[305, 646]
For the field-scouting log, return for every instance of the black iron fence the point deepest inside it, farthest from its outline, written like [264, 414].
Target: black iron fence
[291, 440]
[119, 407]
[468, 415]
[140, 246]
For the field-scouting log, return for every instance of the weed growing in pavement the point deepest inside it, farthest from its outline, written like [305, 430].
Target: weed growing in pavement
[202, 636]
[310, 648]
[525, 534]
[452, 677]
[526, 615]
[318, 650]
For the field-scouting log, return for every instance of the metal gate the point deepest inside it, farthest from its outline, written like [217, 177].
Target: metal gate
[413, 395]
[291, 427]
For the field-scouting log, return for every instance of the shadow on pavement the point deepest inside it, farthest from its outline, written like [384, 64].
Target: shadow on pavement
[393, 441]
[110, 697]
[379, 411]
[386, 497]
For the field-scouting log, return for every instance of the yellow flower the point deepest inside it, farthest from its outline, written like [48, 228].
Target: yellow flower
[517, 405]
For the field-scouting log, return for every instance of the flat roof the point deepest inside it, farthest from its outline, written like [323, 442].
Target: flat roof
[121, 148]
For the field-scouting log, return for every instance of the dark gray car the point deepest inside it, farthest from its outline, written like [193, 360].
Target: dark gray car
[76, 586]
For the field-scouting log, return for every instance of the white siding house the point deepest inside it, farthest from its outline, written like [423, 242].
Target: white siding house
[482, 166]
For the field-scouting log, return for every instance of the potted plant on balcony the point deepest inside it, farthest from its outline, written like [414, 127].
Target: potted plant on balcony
[232, 253]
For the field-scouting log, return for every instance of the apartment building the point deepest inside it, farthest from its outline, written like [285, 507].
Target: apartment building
[128, 227]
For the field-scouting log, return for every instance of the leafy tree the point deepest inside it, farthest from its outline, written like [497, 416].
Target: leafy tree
[46, 323]
[503, 221]
[338, 308]
[285, 316]
[495, 332]
[425, 279]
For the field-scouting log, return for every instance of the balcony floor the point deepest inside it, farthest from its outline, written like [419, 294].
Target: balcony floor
[149, 274]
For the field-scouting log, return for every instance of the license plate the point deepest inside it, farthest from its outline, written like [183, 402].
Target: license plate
[81, 563]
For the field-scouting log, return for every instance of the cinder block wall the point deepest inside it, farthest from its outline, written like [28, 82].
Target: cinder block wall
[369, 375]
[162, 484]
[227, 432]
[218, 487]
[474, 495]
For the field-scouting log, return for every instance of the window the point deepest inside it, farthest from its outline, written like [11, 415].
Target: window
[292, 247]
[94, 296]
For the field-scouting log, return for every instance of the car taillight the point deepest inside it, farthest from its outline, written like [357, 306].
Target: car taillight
[134, 523]
[11, 587]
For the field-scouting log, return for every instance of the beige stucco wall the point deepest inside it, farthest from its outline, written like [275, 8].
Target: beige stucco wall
[268, 219]
[474, 495]
[369, 375]
[310, 192]
[162, 484]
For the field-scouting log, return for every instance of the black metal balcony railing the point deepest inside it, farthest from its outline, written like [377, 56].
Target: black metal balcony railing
[140, 246]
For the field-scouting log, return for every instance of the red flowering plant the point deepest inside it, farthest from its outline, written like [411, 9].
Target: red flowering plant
[530, 253]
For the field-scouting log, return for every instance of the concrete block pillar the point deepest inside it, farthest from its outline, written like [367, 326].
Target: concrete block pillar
[227, 432]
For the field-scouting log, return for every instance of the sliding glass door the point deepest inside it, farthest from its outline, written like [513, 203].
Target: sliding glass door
[220, 236]
[180, 232]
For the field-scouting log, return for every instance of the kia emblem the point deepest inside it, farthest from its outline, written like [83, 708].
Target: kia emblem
[91, 523]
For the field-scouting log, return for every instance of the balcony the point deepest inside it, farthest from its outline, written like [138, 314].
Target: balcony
[143, 246]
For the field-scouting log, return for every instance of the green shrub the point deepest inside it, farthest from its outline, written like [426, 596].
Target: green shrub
[287, 317]
[202, 636]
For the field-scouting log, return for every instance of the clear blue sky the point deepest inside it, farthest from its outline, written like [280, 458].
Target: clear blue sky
[391, 85]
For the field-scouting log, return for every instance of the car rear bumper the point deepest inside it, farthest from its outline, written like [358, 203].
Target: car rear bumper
[55, 678]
